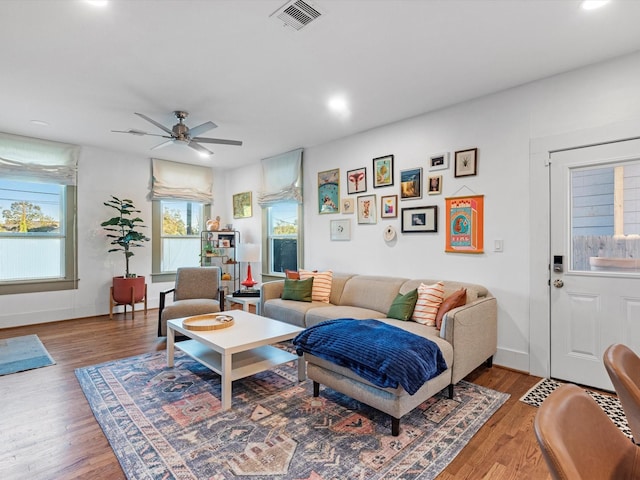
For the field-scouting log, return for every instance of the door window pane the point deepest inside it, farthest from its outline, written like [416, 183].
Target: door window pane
[283, 237]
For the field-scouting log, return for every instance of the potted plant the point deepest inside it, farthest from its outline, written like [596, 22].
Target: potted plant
[125, 237]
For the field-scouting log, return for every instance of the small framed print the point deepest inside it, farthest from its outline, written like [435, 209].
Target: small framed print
[242, 205]
[367, 212]
[340, 230]
[439, 161]
[389, 206]
[411, 183]
[383, 171]
[420, 219]
[466, 162]
[329, 191]
[357, 180]
[435, 184]
[348, 205]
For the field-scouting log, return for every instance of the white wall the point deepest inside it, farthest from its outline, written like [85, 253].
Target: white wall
[501, 126]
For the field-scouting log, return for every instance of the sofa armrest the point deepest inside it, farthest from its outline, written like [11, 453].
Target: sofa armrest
[270, 290]
[473, 331]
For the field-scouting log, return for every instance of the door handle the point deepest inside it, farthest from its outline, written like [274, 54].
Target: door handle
[558, 283]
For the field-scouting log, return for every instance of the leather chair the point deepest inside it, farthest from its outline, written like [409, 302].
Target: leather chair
[623, 367]
[579, 441]
[197, 291]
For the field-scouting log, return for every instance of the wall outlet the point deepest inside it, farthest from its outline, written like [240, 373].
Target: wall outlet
[498, 246]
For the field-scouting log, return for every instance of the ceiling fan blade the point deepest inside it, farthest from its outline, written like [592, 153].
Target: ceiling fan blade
[163, 144]
[199, 148]
[205, 127]
[132, 131]
[159, 125]
[220, 141]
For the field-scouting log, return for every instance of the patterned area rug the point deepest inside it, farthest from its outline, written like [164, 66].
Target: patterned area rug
[166, 423]
[18, 354]
[609, 403]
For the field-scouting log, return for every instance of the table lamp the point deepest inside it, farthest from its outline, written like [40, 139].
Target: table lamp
[249, 252]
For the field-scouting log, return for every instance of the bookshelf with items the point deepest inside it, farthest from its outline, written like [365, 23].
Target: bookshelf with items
[220, 249]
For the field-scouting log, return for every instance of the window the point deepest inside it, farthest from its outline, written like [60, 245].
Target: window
[37, 215]
[282, 236]
[177, 224]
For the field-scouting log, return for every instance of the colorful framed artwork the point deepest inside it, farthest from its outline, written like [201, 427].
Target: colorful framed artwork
[383, 171]
[420, 219]
[340, 230]
[435, 184]
[464, 224]
[242, 205]
[357, 180]
[411, 183]
[389, 206]
[329, 191]
[439, 161]
[466, 162]
[367, 212]
[348, 205]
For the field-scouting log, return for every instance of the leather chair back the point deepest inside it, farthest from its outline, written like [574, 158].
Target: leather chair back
[579, 441]
[623, 367]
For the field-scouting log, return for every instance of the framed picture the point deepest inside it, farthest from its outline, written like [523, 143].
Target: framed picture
[439, 161]
[357, 180]
[420, 219]
[329, 191]
[224, 243]
[435, 184]
[242, 205]
[348, 205]
[389, 206]
[411, 183]
[341, 229]
[464, 224]
[367, 209]
[466, 162]
[383, 171]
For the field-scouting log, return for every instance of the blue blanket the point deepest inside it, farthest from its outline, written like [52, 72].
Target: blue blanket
[385, 355]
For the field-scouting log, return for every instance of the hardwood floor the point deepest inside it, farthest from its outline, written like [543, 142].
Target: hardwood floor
[47, 430]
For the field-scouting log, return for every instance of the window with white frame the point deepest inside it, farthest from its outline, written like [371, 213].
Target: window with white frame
[281, 201]
[37, 215]
[182, 195]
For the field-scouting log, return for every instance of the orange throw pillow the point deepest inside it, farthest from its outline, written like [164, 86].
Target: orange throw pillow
[456, 299]
[292, 274]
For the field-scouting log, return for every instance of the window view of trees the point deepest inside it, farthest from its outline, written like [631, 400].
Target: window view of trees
[26, 217]
[29, 207]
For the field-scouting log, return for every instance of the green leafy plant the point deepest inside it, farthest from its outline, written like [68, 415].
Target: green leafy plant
[124, 226]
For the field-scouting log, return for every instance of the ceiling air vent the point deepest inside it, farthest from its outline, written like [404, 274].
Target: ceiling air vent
[297, 14]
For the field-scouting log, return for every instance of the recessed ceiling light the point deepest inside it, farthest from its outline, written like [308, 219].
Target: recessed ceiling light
[338, 105]
[98, 3]
[40, 123]
[593, 4]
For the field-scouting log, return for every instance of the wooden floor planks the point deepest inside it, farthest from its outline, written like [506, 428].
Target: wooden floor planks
[47, 430]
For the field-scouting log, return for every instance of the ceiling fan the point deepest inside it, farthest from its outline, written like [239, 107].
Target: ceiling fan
[182, 134]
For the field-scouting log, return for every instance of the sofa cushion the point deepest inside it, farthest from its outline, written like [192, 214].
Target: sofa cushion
[402, 307]
[371, 292]
[429, 299]
[321, 291]
[456, 299]
[299, 290]
[290, 311]
[317, 315]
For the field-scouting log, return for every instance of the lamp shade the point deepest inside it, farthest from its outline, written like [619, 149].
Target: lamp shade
[249, 252]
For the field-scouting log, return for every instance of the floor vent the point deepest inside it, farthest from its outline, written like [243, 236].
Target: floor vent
[297, 14]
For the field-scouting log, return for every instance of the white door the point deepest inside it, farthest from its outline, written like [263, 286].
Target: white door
[595, 256]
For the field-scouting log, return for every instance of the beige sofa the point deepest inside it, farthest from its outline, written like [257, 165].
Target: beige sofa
[467, 339]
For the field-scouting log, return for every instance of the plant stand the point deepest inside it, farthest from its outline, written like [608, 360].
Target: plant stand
[113, 303]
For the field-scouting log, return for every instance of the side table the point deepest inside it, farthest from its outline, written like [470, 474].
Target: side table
[245, 302]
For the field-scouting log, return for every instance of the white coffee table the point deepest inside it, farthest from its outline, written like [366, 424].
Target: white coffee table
[238, 351]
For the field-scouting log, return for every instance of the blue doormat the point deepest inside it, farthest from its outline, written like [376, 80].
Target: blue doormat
[18, 354]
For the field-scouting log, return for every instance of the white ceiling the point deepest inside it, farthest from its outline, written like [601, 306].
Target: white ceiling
[86, 70]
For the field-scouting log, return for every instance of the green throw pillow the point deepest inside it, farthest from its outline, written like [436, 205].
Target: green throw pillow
[299, 290]
[402, 307]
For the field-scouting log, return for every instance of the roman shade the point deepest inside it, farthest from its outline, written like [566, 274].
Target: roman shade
[36, 160]
[281, 178]
[181, 181]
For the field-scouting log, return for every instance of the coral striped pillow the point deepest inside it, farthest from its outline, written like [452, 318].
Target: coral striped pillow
[429, 299]
[321, 284]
